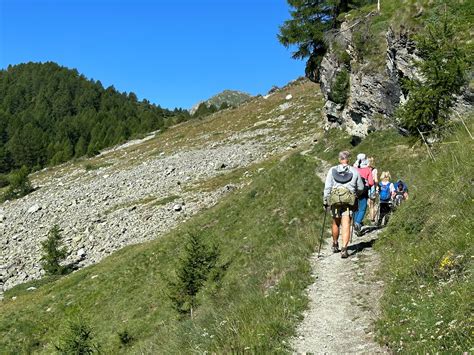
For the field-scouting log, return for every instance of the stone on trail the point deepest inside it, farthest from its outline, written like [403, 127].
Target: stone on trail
[34, 208]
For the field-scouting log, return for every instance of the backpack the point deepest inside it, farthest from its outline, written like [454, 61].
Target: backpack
[397, 186]
[365, 192]
[384, 192]
[340, 195]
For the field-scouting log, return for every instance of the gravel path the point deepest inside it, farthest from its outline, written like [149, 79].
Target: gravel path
[344, 299]
[343, 302]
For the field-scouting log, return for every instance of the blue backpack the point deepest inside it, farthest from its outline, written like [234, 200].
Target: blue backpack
[400, 186]
[384, 192]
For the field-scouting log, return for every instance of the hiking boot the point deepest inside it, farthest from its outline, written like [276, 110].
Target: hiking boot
[335, 248]
[357, 229]
[344, 253]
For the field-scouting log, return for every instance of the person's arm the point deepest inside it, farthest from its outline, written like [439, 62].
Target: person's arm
[392, 190]
[327, 186]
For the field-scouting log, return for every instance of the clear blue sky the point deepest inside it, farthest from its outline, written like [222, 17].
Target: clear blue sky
[171, 52]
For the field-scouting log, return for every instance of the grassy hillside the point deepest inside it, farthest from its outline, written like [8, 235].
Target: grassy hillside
[427, 248]
[266, 233]
[428, 255]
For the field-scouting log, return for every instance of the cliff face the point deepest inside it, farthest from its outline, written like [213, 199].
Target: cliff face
[372, 93]
[373, 88]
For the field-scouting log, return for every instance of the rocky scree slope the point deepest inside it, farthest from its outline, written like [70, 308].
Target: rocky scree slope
[138, 191]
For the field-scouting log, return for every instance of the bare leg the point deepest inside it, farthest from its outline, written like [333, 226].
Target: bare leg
[336, 222]
[371, 209]
[346, 230]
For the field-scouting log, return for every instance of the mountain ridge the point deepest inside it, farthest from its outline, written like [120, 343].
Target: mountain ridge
[233, 98]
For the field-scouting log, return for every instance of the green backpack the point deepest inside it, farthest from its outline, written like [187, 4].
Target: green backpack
[340, 195]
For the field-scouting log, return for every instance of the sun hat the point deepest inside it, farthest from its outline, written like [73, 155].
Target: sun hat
[364, 163]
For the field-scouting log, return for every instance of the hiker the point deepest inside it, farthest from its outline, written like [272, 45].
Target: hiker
[366, 174]
[374, 191]
[400, 192]
[386, 190]
[343, 184]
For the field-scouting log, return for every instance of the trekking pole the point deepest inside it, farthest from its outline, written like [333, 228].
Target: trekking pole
[352, 229]
[322, 231]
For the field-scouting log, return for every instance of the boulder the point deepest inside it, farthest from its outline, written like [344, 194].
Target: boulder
[81, 253]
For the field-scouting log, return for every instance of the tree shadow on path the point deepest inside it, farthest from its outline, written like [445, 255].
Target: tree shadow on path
[356, 248]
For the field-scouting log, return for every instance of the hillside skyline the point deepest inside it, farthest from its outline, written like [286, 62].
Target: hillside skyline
[172, 54]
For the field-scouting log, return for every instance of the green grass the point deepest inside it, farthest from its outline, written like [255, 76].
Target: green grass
[408, 16]
[165, 200]
[427, 257]
[90, 166]
[266, 233]
[427, 248]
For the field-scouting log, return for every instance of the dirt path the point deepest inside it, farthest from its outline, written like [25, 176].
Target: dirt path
[344, 300]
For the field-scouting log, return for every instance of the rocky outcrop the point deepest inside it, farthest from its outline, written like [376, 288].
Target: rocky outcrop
[373, 95]
[375, 90]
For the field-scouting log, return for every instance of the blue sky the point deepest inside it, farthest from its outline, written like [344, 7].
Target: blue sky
[172, 52]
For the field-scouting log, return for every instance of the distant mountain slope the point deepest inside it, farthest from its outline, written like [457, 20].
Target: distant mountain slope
[143, 191]
[62, 114]
[231, 97]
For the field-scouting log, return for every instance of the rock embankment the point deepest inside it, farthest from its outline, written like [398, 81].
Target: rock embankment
[374, 87]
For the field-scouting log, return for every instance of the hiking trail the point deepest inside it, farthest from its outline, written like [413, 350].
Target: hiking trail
[344, 299]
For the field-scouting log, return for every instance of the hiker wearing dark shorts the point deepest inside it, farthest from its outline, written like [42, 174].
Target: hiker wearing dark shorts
[343, 184]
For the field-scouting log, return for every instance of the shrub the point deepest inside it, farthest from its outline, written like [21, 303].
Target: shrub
[4, 180]
[52, 253]
[340, 88]
[125, 338]
[19, 184]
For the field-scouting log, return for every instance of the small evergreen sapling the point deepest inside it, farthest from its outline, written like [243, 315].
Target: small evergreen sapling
[443, 68]
[19, 184]
[52, 253]
[192, 272]
[340, 88]
[78, 338]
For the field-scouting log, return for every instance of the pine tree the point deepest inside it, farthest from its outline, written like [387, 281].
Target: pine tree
[53, 254]
[443, 68]
[192, 272]
[311, 19]
[78, 338]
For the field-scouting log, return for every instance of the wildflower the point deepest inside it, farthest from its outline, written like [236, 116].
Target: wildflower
[447, 261]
